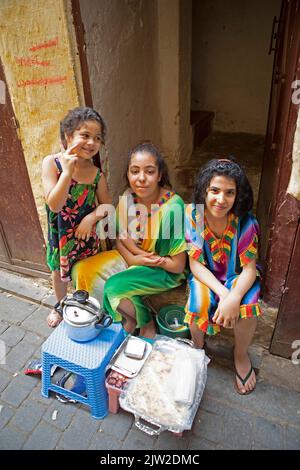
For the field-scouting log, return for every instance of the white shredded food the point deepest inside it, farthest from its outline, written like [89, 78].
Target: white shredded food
[150, 394]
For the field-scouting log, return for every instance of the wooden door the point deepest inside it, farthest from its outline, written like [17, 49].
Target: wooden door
[268, 185]
[278, 212]
[287, 328]
[21, 239]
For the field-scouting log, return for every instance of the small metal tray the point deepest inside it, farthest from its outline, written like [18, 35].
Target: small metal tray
[125, 365]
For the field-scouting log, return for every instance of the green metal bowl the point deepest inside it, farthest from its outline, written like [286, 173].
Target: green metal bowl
[170, 320]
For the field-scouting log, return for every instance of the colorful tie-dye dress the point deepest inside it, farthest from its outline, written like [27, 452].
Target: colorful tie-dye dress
[63, 248]
[107, 276]
[225, 258]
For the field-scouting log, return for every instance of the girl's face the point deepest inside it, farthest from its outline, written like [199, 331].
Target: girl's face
[220, 196]
[89, 136]
[143, 175]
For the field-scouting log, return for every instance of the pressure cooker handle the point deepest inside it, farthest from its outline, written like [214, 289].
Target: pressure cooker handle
[104, 321]
[74, 303]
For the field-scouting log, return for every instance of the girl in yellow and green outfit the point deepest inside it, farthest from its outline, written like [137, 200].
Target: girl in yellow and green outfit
[150, 256]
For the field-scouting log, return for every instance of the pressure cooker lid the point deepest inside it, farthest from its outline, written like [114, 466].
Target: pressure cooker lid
[78, 315]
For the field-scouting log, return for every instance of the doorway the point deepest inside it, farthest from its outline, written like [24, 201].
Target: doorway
[232, 66]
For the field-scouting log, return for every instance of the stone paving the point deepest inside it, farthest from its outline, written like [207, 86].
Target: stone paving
[266, 419]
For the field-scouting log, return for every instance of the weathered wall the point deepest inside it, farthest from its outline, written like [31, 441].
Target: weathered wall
[294, 183]
[37, 51]
[139, 58]
[231, 66]
[174, 53]
[185, 77]
[121, 43]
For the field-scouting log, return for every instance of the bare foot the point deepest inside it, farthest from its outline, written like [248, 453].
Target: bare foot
[197, 336]
[54, 319]
[129, 325]
[148, 331]
[246, 379]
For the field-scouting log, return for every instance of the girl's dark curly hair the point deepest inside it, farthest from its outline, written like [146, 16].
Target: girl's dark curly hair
[230, 168]
[74, 119]
[160, 162]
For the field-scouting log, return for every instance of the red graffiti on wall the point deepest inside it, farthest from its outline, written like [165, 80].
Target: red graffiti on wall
[29, 62]
[34, 61]
[41, 81]
[44, 45]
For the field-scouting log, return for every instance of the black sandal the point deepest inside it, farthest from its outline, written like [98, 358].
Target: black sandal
[244, 381]
[58, 308]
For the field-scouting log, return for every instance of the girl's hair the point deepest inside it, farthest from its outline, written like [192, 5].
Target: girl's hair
[231, 169]
[160, 162]
[74, 119]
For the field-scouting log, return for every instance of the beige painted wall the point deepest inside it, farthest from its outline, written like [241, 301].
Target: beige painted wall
[231, 66]
[37, 51]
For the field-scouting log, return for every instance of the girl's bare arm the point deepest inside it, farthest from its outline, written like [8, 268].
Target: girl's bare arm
[174, 264]
[131, 246]
[203, 274]
[245, 280]
[228, 310]
[86, 226]
[55, 189]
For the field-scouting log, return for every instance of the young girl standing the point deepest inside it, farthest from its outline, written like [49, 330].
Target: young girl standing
[224, 283]
[72, 183]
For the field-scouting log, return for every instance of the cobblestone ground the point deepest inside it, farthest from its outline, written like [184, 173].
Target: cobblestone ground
[266, 419]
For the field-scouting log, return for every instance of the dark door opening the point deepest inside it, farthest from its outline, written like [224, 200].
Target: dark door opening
[232, 78]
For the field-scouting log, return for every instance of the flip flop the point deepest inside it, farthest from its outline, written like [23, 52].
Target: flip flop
[243, 381]
[73, 382]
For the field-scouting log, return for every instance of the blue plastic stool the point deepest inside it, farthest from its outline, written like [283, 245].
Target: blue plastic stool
[86, 359]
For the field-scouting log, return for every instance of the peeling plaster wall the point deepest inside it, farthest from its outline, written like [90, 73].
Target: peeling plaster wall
[139, 58]
[185, 77]
[232, 70]
[38, 52]
[121, 44]
[174, 53]
[294, 184]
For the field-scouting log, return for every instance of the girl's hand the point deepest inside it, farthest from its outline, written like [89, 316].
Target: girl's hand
[228, 311]
[85, 228]
[149, 259]
[69, 159]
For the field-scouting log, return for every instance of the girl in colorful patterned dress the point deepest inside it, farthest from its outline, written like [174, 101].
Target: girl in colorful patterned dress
[224, 284]
[72, 182]
[150, 255]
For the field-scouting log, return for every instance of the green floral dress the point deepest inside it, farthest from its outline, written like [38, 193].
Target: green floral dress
[63, 248]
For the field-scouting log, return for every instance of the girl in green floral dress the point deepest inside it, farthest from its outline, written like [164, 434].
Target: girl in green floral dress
[72, 183]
